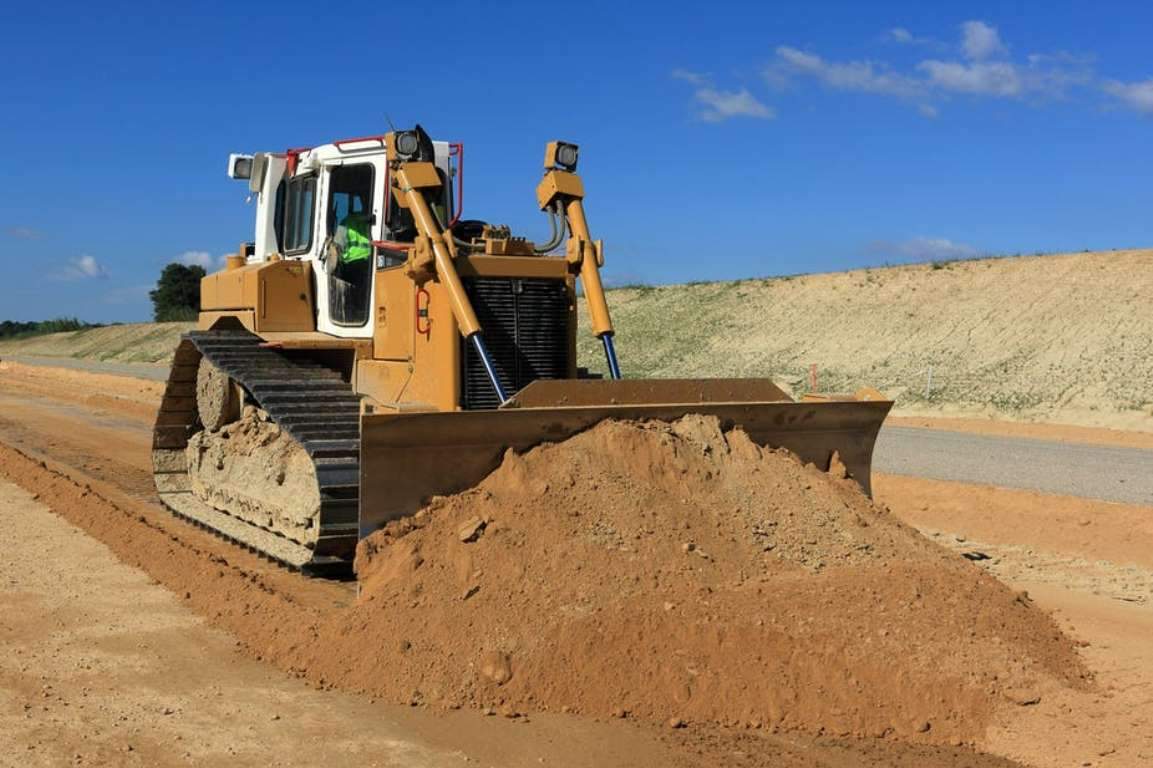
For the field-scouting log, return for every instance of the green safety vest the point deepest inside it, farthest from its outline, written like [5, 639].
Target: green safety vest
[359, 246]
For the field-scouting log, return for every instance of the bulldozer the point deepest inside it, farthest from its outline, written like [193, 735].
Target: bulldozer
[322, 396]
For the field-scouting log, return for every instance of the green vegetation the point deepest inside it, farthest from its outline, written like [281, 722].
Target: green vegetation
[177, 294]
[11, 329]
[632, 287]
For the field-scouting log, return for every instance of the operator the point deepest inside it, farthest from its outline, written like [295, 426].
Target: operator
[354, 236]
[349, 257]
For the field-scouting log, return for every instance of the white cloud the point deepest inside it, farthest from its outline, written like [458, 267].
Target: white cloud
[980, 41]
[202, 259]
[864, 76]
[902, 36]
[924, 249]
[1138, 96]
[83, 267]
[979, 66]
[719, 105]
[988, 78]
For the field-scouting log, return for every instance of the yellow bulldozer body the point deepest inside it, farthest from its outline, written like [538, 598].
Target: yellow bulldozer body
[465, 348]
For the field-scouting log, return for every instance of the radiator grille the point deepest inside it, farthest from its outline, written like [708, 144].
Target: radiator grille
[525, 323]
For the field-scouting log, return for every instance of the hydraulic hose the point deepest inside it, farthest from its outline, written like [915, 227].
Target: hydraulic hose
[556, 233]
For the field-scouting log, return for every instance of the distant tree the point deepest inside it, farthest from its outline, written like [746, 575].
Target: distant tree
[177, 294]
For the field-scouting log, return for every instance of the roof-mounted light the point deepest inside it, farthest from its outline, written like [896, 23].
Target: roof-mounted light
[562, 155]
[407, 144]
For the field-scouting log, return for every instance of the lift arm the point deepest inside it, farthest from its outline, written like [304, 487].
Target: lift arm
[432, 252]
[585, 256]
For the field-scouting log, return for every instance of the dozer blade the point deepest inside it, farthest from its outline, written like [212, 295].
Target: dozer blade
[406, 458]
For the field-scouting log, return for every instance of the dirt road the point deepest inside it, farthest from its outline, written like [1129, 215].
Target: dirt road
[102, 666]
[1086, 561]
[148, 371]
[1102, 464]
[157, 647]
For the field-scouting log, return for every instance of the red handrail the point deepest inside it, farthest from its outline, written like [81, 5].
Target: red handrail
[391, 245]
[379, 138]
[457, 148]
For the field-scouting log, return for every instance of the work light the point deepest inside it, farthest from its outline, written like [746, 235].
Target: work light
[407, 144]
[566, 155]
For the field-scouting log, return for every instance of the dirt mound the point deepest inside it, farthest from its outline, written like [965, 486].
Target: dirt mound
[252, 469]
[674, 571]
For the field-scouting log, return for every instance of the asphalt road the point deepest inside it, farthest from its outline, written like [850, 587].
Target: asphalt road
[1076, 469]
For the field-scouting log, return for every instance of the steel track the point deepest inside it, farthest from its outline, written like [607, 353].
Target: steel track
[310, 402]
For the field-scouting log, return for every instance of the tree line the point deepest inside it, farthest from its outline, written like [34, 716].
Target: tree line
[175, 298]
[10, 329]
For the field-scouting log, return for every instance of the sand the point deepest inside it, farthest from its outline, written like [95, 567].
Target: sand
[679, 573]
[291, 622]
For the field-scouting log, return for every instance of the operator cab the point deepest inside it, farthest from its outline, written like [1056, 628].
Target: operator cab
[329, 205]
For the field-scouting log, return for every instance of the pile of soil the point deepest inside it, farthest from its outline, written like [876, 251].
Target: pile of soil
[257, 472]
[677, 572]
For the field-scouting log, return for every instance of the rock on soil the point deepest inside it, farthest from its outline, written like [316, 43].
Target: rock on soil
[255, 471]
[679, 572]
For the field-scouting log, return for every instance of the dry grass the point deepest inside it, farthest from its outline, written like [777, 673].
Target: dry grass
[1065, 337]
[133, 343]
[1026, 337]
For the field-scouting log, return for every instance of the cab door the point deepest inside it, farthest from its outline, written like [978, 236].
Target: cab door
[349, 214]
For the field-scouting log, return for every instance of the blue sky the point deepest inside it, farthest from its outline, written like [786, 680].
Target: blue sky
[723, 141]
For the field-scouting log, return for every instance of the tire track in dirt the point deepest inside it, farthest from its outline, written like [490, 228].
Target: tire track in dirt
[102, 666]
[237, 591]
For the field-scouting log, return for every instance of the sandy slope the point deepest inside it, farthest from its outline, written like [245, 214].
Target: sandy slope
[1067, 336]
[1063, 337]
[130, 343]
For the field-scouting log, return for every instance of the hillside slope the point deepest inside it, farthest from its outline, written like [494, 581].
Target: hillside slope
[1032, 336]
[1064, 337]
[130, 343]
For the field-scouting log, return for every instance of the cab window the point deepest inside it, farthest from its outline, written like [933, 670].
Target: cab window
[350, 192]
[295, 206]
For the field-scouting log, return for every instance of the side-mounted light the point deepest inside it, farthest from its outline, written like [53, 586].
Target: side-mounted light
[239, 166]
